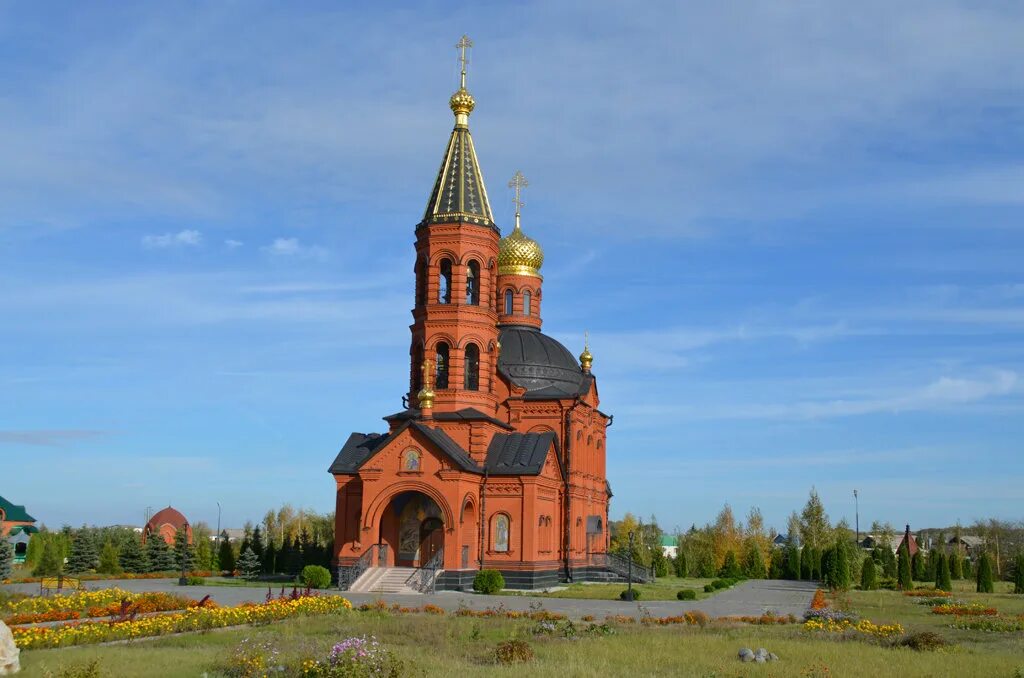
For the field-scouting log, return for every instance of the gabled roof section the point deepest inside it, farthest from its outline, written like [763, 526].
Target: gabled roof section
[513, 454]
[14, 513]
[459, 194]
[360, 447]
[466, 414]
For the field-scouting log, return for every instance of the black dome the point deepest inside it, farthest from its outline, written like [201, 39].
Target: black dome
[538, 363]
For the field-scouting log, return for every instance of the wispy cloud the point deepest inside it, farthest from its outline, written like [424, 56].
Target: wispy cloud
[233, 244]
[186, 238]
[49, 437]
[291, 247]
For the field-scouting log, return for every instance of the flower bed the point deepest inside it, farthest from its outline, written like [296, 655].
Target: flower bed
[79, 601]
[92, 576]
[862, 628]
[103, 603]
[965, 610]
[39, 617]
[819, 602]
[194, 619]
[990, 624]
[927, 593]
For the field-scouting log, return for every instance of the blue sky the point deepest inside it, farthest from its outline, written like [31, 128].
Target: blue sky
[793, 230]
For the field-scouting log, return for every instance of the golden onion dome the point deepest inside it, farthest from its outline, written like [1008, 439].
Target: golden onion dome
[462, 102]
[586, 359]
[518, 254]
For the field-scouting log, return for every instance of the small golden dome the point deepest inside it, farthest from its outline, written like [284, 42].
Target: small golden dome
[519, 254]
[462, 102]
[586, 359]
[426, 398]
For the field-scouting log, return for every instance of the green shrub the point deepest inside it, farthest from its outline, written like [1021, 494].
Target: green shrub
[316, 577]
[723, 583]
[512, 651]
[488, 581]
[943, 579]
[985, 574]
[636, 594]
[903, 576]
[708, 588]
[731, 567]
[1018, 574]
[89, 669]
[924, 641]
[868, 576]
[686, 594]
[194, 581]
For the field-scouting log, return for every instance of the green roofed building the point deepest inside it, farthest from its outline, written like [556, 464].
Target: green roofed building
[669, 545]
[16, 526]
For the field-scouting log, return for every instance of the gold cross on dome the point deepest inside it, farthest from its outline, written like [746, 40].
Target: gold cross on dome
[462, 45]
[518, 183]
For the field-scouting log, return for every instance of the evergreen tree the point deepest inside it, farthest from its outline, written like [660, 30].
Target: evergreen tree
[225, 555]
[984, 574]
[889, 564]
[904, 580]
[930, 566]
[805, 564]
[293, 559]
[942, 575]
[730, 568]
[184, 552]
[158, 553]
[270, 558]
[204, 553]
[83, 553]
[1018, 573]
[6, 559]
[968, 568]
[132, 558]
[109, 563]
[868, 575]
[917, 567]
[956, 566]
[754, 567]
[51, 562]
[828, 571]
[257, 543]
[791, 569]
[842, 567]
[777, 566]
[680, 562]
[249, 564]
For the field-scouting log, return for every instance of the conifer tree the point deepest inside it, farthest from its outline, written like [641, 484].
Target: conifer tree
[930, 565]
[184, 552]
[159, 554]
[293, 559]
[680, 562]
[51, 562]
[225, 555]
[943, 581]
[968, 568]
[257, 544]
[730, 568]
[777, 564]
[984, 578]
[904, 580]
[1018, 573]
[132, 558]
[754, 567]
[109, 563]
[270, 558]
[792, 563]
[83, 553]
[842, 567]
[805, 563]
[956, 566]
[6, 559]
[204, 554]
[889, 564]
[868, 575]
[917, 567]
[249, 564]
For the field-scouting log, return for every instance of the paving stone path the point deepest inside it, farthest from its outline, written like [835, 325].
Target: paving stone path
[747, 598]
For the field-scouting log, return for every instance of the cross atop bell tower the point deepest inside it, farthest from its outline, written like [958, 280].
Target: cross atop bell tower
[462, 45]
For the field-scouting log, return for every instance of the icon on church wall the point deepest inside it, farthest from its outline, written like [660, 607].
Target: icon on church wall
[501, 533]
[411, 461]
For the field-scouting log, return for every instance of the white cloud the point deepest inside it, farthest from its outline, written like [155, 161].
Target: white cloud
[291, 247]
[233, 244]
[186, 238]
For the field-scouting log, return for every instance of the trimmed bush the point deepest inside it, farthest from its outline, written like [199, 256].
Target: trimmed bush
[488, 581]
[708, 588]
[316, 577]
[624, 595]
[943, 579]
[985, 574]
[903, 575]
[194, 581]
[868, 575]
[686, 594]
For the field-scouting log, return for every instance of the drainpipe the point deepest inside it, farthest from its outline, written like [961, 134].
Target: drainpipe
[483, 520]
[567, 511]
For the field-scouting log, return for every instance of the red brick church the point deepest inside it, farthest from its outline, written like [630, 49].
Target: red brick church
[499, 460]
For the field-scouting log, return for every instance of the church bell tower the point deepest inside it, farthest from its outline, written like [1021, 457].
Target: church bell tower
[454, 329]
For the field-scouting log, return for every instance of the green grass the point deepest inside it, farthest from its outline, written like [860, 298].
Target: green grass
[460, 647]
[664, 588]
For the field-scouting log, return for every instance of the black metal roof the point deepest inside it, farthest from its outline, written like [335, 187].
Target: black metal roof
[518, 453]
[459, 194]
[547, 370]
[466, 414]
[360, 447]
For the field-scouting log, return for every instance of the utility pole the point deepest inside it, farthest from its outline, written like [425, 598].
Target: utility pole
[218, 528]
[856, 502]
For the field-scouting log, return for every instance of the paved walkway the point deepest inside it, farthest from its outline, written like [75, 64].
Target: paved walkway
[748, 598]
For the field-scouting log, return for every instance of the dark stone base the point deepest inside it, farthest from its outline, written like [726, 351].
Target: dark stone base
[526, 580]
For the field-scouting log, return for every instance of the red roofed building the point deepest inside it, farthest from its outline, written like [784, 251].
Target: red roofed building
[166, 523]
[911, 543]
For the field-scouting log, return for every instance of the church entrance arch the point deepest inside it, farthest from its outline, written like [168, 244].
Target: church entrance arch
[413, 528]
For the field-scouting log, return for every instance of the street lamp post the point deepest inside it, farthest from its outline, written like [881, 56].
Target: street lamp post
[856, 502]
[629, 577]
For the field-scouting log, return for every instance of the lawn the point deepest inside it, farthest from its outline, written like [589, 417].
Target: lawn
[664, 588]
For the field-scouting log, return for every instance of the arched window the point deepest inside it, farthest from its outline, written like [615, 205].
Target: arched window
[508, 302]
[471, 368]
[526, 303]
[473, 284]
[441, 379]
[500, 535]
[444, 283]
[421, 282]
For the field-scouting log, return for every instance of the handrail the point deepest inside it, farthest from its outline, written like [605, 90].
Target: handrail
[424, 579]
[348, 575]
[621, 566]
